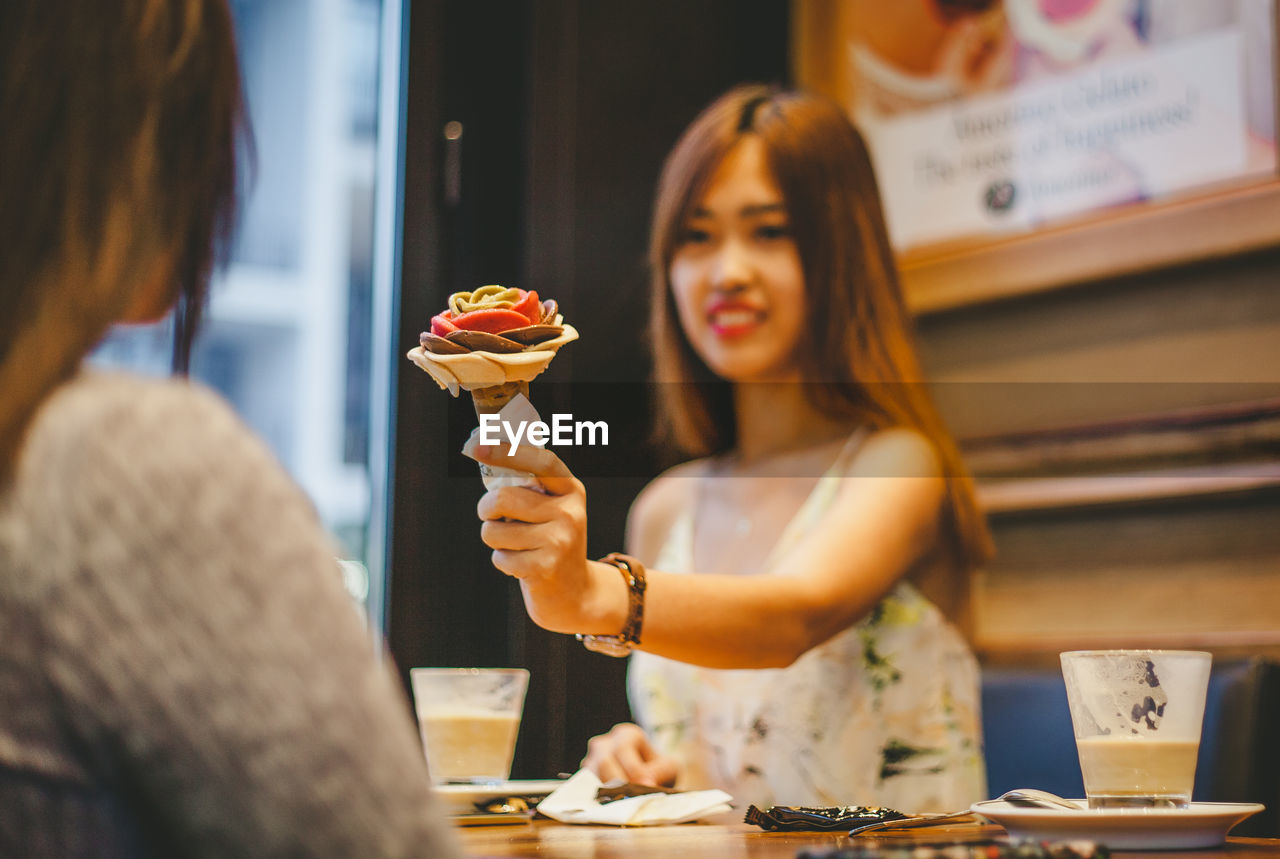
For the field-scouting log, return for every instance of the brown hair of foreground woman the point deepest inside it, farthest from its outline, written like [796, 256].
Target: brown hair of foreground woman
[119, 149]
[859, 358]
[182, 672]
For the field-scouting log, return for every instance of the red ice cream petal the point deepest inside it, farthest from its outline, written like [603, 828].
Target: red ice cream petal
[529, 307]
[493, 320]
[441, 325]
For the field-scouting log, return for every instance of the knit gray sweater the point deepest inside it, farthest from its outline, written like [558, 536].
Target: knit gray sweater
[181, 671]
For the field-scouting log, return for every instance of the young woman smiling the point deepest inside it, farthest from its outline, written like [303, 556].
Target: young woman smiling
[785, 649]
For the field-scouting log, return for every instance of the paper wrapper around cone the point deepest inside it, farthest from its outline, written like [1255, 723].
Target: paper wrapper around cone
[490, 401]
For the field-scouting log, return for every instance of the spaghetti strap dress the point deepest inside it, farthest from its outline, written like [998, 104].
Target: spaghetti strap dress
[884, 713]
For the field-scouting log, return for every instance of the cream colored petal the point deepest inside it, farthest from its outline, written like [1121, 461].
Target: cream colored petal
[472, 370]
[445, 379]
[522, 366]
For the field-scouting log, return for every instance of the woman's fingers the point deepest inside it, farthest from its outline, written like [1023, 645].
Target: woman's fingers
[602, 755]
[606, 769]
[536, 536]
[521, 563]
[550, 470]
[663, 771]
[511, 536]
[539, 537]
[625, 754]
[515, 503]
[633, 764]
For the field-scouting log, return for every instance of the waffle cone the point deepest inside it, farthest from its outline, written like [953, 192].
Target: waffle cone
[490, 400]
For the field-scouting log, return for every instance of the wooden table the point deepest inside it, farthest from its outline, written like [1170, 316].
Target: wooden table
[550, 840]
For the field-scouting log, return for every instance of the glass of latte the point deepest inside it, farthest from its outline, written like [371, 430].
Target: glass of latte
[469, 719]
[1137, 717]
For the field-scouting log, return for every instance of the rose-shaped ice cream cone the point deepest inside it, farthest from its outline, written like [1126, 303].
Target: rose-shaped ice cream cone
[491, 338]
[492, 342]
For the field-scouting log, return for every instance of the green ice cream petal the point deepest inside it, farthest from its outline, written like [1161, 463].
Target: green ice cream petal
[488, 297]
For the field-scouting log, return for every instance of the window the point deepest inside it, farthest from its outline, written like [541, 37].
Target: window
[291, 336]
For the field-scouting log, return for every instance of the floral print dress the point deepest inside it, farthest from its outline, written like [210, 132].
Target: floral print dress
[884, 713]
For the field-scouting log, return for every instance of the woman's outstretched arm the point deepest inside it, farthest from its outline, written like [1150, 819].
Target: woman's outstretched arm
[883, 520]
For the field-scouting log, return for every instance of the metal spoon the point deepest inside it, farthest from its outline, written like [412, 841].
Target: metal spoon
[1040, 798]
[1018, 796]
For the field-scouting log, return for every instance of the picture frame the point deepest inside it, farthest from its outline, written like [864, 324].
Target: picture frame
[1228, 214]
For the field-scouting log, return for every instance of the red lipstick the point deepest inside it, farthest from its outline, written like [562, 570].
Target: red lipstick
[729, 318]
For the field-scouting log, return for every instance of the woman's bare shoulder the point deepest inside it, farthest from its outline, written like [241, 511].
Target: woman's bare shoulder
[656, 508]
[897, 452]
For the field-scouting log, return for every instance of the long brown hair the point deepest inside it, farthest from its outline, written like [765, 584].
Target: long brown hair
[859, 356]
[122, 126]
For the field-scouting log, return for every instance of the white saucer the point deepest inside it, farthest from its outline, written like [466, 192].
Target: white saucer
[1202, 824]
[463, 798]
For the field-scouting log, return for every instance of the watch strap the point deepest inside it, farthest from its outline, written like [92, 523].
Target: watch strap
[633, 573]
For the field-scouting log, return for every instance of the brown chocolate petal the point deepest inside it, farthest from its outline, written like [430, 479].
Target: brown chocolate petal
[483, 341]
[531, 334]
[549, 311]
[436, 344]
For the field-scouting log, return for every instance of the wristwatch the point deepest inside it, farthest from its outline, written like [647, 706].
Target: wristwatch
[621, 645]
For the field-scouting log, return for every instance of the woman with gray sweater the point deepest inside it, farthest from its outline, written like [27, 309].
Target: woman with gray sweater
[181, 671]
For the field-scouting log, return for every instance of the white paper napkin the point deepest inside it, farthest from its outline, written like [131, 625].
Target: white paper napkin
[575, 802]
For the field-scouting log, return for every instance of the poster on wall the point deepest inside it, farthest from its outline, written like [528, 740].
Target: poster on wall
[994, 116]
